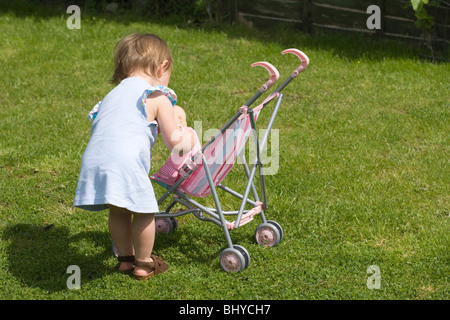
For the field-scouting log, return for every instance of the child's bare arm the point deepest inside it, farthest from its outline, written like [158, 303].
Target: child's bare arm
[160, 108]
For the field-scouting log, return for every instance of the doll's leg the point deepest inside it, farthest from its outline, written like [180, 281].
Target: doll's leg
[180, 116]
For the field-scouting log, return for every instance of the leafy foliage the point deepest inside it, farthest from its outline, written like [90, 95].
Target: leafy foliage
[424, 20]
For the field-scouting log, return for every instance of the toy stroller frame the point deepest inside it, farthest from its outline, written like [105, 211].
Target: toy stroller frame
[234, 258]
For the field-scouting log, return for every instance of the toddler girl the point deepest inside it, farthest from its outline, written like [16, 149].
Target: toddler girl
[116, 163]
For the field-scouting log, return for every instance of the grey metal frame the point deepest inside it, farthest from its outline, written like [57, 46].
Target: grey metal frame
[217, 215]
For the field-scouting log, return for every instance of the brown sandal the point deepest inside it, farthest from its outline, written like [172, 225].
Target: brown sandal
[126, 259]
[157, 266]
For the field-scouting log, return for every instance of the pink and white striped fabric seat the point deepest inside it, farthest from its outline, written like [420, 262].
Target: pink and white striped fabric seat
[220, 157]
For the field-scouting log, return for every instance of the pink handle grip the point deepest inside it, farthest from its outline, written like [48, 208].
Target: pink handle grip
[274, 74]
[303, 57]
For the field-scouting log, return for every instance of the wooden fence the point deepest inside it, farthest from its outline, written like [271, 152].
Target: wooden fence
[346, 15]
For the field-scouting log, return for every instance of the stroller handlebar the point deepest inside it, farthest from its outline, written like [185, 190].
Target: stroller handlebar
[274, 74]
[303, 57]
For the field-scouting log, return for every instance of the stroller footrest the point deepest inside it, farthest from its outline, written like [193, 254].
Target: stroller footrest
[246, 218]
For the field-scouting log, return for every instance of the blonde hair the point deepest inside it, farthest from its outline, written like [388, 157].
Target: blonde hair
[140, 52]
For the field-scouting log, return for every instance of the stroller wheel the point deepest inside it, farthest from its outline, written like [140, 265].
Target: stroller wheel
[277, 225]
[232, 260]
[267, 235]
[174, 223]
[165, 225]
[245, 253]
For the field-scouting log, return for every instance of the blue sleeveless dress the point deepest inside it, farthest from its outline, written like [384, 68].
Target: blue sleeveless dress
[116, 163]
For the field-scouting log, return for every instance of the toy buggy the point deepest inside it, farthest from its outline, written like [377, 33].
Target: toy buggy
[203, 170]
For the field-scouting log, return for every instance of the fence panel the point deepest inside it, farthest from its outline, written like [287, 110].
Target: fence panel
[397, 20]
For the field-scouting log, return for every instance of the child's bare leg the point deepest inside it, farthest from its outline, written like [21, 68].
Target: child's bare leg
[143, 235]
[119, 225]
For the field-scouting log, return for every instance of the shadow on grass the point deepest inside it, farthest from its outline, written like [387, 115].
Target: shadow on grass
[39, 257]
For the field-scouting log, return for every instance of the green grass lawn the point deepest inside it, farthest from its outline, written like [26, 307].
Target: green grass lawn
[363, 175]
